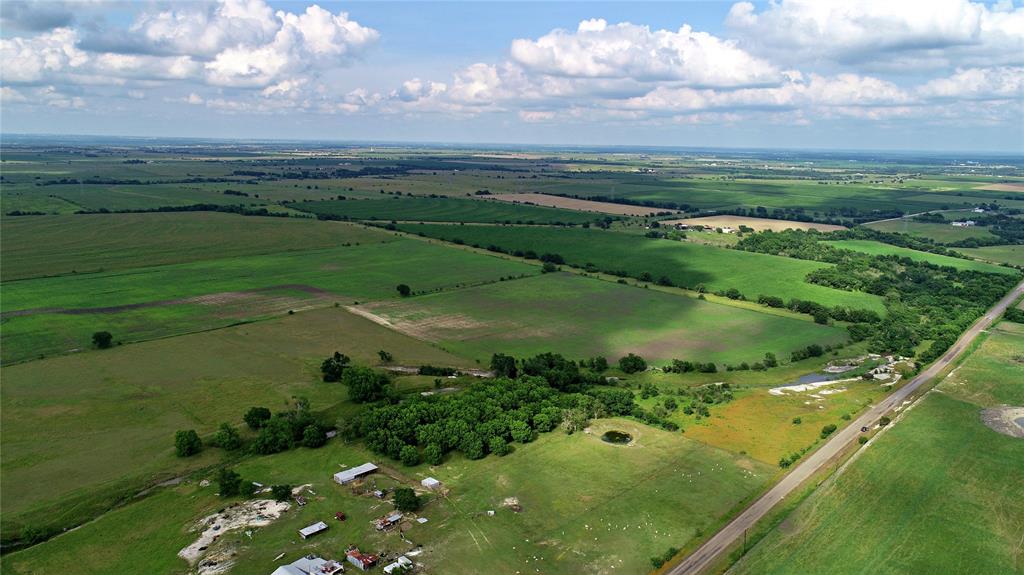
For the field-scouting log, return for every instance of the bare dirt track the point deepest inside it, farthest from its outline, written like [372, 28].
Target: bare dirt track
[712, 551]
[579, 205]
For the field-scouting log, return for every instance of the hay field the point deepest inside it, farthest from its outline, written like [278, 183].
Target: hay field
[579, 205]
[879, 248]
[583, 317]
[758, 224]
[442, 210]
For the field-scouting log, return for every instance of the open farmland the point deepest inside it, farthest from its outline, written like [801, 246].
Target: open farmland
[581, 512]
[583, 317]
[942, 233]
[878, 248]
[686, 264]
[1013, 255]
[441, 210]
[757, 224]
[58, 245]
[115, 411]
[939, 492]
[578, 204]
[57, 314]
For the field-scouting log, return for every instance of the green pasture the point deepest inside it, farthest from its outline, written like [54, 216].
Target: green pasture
[878, 248]
[942, 233]
[938, 493]
[444, 210]
[34, 246]
[586, 505]
[1013, 255]
[583, 317]
[111, 415]
[56, 314]
[685, 263]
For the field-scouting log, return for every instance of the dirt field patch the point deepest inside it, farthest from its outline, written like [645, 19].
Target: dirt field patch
[1005, 420]
[759, 224]
[579, 205]
[1003, 187]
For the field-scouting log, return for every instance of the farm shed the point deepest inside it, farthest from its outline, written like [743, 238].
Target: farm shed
[350, 475]
[307, 532]
[310, 565]
[360, 560]
[430, 483]
[387, 522]
[398, 565]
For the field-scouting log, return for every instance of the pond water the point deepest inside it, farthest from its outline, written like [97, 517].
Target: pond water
[618, 437]
[815, 378]
[1020, 421]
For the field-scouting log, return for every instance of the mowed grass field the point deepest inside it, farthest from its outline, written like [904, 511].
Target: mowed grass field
[942, 233]
[50, 315]
[1013, 255]
[587, 507]
[35, 246]
[687, 264]
[419, 209]
[879, 248]
[938, 493]
[110, 416]
[583, 317]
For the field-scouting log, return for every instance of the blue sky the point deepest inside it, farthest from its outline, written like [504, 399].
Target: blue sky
[912, 74]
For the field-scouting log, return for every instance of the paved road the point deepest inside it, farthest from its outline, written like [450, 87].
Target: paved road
[712, 550]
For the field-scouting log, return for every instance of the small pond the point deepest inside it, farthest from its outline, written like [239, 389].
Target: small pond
[815, 378]
[618, 437]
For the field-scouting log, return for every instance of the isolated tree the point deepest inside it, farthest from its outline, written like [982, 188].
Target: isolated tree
[102, 339]
[281, 492]
[409, 455]
[365, 384]
[632, 363]
[187, 443]
[229, 483]
[406, 499]
[385, 357]
[828, 430]
[227, 437]
[314, 436]
[256, 417]
[403, 290]
[334, 366]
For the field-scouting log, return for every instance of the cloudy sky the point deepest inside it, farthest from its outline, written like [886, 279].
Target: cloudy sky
[881, 74]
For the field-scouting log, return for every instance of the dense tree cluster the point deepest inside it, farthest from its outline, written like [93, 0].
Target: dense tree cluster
[334, 366]
[923, 301]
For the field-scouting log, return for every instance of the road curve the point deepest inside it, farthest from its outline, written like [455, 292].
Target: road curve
[712, 549]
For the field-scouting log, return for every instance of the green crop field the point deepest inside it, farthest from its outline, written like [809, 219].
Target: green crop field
[879, 248]
[942, 233]
[938, 493]
[685, 263]
[583, 317]
[111, 414]
[1013, 255]
[444, 210]
[584, 503]
[56, 314]
[58, 245]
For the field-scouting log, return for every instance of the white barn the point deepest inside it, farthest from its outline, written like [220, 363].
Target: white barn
[350, 475]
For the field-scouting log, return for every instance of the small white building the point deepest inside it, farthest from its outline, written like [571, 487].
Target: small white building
[400, 565]
[310, 565]
[350, 475]
[307, 532]
[728, 230]
[964, 224]
[430, 483]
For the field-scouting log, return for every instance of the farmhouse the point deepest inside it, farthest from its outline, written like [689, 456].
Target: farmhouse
[310, 565]
[360, 560]
[430, 483]
[399, 565]
[350, 475]
[307, 532]
[964, 224]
